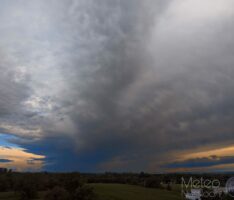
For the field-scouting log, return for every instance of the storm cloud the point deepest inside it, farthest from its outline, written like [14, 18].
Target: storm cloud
[117, 85]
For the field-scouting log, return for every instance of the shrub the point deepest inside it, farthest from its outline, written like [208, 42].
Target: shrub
[84, 193]
[169, 187]
[4, 184]
[57, 193]
[152, 183]
[27, 190]
[71, 184]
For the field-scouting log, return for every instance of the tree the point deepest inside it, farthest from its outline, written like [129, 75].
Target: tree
[57, 193]
[27, 190]
[84, 193]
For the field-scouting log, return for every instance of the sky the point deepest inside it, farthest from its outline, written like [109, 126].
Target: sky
[113, 85]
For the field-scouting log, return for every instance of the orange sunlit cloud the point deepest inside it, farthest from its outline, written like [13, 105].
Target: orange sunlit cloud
[214, 153]
[219, 167]
[224, 151]
[20, 160]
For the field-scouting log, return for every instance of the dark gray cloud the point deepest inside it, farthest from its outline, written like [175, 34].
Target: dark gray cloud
[151, 88]
[128, 81]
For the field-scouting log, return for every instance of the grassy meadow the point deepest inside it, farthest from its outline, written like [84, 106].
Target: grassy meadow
[119, 192]
[130, 192]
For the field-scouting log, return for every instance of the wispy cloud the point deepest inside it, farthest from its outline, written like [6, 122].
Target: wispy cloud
[5, 161]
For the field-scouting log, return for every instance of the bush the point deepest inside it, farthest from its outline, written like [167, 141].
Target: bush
[71, 184]
[169, 187]
[27, 190]
[152, 183]
[4, 184]
[84, 193]
[57, 193]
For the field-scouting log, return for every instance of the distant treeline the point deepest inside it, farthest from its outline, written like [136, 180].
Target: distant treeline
[147, 180]
[54, 186]
[72, 186]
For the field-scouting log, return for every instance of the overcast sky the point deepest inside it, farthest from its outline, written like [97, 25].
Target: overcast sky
[117, 85]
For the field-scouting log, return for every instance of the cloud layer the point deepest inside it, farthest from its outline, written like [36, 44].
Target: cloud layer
[117, 85]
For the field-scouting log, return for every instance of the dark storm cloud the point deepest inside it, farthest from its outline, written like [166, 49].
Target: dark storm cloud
[125, 82]
[145, 91]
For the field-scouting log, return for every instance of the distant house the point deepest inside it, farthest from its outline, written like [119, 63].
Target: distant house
[195, 194]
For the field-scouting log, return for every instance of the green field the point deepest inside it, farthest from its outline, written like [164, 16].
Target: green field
[121, 192]
[129, 192]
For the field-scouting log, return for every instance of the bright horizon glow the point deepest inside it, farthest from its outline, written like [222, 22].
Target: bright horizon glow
[18, 158]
